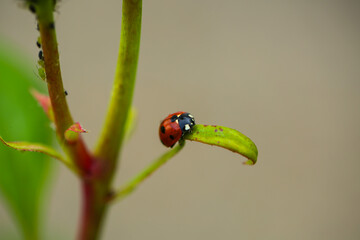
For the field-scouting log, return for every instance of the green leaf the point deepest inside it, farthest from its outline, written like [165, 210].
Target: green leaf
[23, 176]
[37, 147]
[225, 137]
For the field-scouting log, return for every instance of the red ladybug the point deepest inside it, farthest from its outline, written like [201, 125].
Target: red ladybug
[174, 126]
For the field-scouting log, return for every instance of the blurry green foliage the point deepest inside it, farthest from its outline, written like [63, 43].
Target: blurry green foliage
[23, 175]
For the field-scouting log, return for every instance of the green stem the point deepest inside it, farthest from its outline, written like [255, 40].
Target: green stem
[62, 116]
[63, 120]
[96, 176]
[145, 173]
[95, 191]
[110, 141]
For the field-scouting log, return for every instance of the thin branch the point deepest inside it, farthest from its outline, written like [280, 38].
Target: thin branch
[62, 117]
[145, 173]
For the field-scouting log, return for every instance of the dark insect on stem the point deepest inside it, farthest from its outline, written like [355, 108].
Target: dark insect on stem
[66, 93]
[32, 8]
[52, 25]
[38, 44]
[41, 56]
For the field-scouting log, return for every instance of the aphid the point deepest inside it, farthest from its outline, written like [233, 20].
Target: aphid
[41, 63]
[42, 74]
[38, 42]
[174, 126]
[32, 8]
[41, 56]
[66, 93]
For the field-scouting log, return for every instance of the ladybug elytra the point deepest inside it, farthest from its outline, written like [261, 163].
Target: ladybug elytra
[174, 126]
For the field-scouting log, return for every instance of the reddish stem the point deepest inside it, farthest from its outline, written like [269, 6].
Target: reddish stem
[93, 212]
[94, 183]
[95, 172]
[94, 177]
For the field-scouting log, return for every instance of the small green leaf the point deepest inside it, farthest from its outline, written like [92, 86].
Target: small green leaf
[32, 147]
[225, 137]
[38, 147]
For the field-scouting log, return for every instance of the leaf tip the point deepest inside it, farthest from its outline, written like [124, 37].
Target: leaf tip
[44, 102]
[249, 162]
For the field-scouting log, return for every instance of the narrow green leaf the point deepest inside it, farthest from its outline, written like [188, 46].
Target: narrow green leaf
[33, 147]
[225, 137]
[38, 147]
[23, 176]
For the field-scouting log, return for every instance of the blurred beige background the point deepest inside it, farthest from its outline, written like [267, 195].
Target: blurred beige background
[285, 73]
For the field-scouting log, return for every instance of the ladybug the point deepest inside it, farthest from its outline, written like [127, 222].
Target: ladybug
[174, 126]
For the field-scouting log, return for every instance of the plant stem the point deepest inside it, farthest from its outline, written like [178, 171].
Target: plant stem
[110, 141]
[133, 183]
[96, 175]
[62, 116]
[63, 120]
[96, 190]
[94, 210]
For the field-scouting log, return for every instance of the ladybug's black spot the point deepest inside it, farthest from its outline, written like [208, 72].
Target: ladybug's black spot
[162, 129]
[171, 137]
[173, 118]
